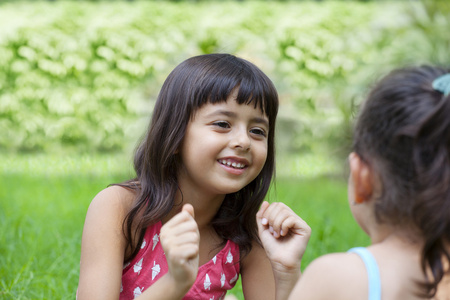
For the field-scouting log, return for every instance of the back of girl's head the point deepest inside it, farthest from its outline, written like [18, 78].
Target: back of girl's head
[195, 82]
[403, 133]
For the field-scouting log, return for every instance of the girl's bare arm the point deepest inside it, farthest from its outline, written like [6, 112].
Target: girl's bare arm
[257, 276]
[103, 250]
[103, 245]
[271, 272]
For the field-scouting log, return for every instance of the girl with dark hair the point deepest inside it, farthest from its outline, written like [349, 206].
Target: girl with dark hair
[399, 193]
[193, 219]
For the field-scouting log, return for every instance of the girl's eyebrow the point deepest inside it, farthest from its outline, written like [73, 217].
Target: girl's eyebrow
[261, 121]
[231, 114]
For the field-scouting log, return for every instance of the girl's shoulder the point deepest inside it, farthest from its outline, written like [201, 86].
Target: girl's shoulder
[110, 206]
[115, 197]
[343, 275]
[343, 265]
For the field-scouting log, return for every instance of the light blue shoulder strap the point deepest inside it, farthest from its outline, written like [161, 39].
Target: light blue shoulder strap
[372, 272]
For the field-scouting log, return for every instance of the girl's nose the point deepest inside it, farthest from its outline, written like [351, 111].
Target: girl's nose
[241, 140]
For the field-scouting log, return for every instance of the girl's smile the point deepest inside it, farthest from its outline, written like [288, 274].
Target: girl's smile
[225, 147]
[234, 165]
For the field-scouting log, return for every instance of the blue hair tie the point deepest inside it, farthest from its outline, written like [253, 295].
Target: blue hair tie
[442, 84]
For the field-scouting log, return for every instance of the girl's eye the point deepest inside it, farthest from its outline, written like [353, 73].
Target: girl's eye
[222, 124]
[258, 131]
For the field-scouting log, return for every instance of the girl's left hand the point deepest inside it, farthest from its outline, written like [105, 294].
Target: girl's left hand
[284, 236]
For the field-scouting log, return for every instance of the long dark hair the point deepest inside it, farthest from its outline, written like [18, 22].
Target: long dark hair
[196, 81]
[403, 132]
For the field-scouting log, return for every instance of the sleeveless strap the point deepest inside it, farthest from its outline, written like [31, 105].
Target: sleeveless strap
[372, 272]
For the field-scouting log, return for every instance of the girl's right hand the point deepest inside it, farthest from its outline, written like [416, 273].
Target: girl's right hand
[180, 240]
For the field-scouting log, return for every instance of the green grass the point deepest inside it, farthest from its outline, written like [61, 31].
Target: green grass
[43, 202]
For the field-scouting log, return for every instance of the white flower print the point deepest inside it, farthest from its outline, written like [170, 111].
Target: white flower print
[155, 270]
[229, 257]
[137, 292]
[155, 241]
[138, 266]
[234, 278]
[144, 242]
[214, 259]
[207, 283]
[222, 280]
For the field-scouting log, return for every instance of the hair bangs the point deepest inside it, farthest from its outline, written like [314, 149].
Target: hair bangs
[217, 80]
[251, 91]
[214, 90]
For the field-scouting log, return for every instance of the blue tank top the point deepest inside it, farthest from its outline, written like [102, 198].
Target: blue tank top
[372, 272]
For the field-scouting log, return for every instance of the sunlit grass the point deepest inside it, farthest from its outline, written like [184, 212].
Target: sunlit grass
[43, 202]
[55, 165]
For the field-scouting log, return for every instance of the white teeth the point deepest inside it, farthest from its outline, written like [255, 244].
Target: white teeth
[232, 164]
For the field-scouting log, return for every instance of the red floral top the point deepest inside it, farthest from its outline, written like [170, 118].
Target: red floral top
[214, 278]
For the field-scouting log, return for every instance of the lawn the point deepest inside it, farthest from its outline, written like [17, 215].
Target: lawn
[43, 201]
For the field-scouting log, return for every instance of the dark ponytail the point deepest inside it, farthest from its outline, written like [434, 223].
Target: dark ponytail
[404, 131]
[432, 210]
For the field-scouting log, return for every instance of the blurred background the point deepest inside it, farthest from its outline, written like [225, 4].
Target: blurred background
[78, 80]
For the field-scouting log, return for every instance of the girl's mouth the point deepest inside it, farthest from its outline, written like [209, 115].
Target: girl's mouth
[232, 164]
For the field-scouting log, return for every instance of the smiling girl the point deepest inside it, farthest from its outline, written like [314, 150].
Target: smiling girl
[193, 220]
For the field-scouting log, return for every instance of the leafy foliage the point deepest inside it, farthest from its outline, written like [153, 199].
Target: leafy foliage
[83, 76]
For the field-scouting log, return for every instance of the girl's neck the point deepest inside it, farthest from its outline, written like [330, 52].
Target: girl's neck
[389, 235]
[205, 206]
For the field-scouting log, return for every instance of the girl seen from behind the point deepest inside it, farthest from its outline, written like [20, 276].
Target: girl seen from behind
[193, 219]
[399, 193]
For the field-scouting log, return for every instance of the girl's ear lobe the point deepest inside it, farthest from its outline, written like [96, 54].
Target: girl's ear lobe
[362, 178]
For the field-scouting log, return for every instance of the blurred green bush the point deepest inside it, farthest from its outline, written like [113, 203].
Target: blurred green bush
[81, 76]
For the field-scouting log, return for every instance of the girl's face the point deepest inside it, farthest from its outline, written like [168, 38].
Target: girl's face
[224, 148]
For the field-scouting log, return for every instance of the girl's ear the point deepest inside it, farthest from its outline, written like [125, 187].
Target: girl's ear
[362, 177]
